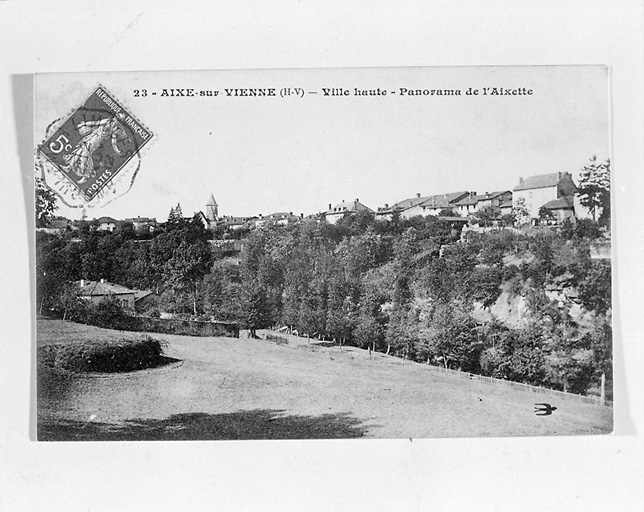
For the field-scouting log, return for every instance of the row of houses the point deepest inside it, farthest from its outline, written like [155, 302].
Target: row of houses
[555, 192]
[213, 221]
[141, 225]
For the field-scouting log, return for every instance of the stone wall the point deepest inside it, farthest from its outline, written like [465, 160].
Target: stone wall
[180, 327]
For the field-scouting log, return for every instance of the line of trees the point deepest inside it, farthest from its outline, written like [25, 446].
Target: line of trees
[404, 287]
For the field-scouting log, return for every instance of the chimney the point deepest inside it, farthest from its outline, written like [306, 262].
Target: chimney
[290, 213]
[357, 200]
[301, 215]
[386, 205]
[487, 194]
[417, 194]
[82, 283]
[329, 206]
[102, 281]
[520, 180]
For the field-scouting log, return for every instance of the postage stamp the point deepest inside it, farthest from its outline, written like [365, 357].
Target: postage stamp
[96, 142]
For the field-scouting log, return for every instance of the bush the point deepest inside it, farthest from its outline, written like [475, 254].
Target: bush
[107, 313]
[124, 355]
[69, 306]
[595, 290]
[484, 285]
[587, 228]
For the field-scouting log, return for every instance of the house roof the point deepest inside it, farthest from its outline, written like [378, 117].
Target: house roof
[444, 200]
[107, 220]
[541, 181]
[93, 288]
[280, 215]
[230, 220]
[438, 200]
[474, 199]
[140, 219]
[141, 294]
[347, 206]
[561, 203]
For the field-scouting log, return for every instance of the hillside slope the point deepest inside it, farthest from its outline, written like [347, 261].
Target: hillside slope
[230, 388]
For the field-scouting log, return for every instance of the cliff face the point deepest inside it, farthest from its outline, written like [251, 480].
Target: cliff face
[512, 309]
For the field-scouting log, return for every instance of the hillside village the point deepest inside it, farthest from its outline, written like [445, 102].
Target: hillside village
[514, 284]
[547, 198]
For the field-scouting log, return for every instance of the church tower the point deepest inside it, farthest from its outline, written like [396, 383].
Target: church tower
[212, 209]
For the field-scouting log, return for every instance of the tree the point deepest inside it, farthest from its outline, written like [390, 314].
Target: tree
[595, 290]
[45, 204]
[448, 212]
[485, 285]
[126, 230]
[451, 337]
[175, 218]
[520, 212]
[594, 189]
[256, 310]
[487, 215]
[187, 267]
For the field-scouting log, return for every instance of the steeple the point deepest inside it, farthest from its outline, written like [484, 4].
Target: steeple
[212, 209]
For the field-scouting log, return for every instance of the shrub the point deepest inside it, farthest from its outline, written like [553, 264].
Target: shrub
[485, 285]
[587, 228]
[124, 355]
[107, 313]
[69, 306]
[510, 271]
[595, 289]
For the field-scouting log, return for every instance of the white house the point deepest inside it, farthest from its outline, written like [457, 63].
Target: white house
[475, 202]
[143, 224]
[536, 191]
[106, 224]
[432, 205]
[337, 212]
[422, 205]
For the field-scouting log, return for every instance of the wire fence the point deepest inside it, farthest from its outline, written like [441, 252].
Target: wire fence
[595, 400]
[280, 340]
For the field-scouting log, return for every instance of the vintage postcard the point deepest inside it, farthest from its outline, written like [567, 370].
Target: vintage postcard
[323, 253]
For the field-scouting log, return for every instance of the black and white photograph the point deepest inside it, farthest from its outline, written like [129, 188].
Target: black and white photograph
[323, 254]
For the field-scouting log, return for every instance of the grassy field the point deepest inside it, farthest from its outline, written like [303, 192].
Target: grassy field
[229, 388]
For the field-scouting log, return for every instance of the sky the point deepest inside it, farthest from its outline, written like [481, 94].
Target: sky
[306, 150]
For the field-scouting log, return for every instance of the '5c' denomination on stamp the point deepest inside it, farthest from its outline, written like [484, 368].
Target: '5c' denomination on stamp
[89, 149]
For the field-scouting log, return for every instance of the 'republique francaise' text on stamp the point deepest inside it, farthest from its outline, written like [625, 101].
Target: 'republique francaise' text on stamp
[97, 141]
